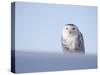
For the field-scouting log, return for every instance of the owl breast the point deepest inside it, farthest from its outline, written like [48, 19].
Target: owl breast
[71, 42]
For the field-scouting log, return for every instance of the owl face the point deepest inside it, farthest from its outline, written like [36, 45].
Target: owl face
[71, 30]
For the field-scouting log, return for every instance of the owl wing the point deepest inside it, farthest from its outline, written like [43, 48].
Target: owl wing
[81, 42]
[63, 44]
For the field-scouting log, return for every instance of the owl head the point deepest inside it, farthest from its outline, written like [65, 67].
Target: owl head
[70, 29]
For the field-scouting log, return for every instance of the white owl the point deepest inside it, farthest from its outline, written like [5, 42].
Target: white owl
[72, 39]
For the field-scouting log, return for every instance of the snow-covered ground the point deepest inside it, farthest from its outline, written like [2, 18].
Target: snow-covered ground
[42, 61]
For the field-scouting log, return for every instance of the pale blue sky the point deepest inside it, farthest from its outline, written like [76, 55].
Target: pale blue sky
[38, 26]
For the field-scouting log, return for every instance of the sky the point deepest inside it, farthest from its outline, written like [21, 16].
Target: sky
[38, 26]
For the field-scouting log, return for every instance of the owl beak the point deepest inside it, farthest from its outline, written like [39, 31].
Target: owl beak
[70, 32]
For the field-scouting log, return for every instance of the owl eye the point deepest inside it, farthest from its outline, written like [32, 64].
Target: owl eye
[66, 28]
[73, 28]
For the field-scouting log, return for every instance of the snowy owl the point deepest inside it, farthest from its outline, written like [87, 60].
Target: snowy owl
[72, 39]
